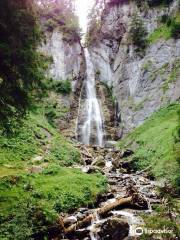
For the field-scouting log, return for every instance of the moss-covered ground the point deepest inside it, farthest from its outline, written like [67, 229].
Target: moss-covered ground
[30, 200]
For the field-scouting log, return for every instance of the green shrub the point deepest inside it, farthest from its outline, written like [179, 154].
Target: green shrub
[157, 145]
[21, 66]
[63, 87]
[26, 212]
[169, 28]
[138, 33]
[175, 30]
[154, 3]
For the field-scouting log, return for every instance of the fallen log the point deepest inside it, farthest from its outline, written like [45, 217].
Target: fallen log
[101, 212]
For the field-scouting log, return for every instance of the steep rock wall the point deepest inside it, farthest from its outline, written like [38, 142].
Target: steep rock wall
[141, 85]
[67, 63]
[67, 57]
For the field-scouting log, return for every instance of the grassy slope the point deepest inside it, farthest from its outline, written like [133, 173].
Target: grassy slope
[157, 144]
[56, 189]
[17, 151]
[163, 31]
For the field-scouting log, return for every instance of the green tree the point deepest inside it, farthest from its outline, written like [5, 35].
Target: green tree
[20, 64]
[60, 14]
[138, 32]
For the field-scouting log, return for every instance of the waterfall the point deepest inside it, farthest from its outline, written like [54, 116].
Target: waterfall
[90, 120]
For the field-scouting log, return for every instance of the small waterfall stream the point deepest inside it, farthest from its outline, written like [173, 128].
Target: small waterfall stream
[90, 131]
[90, 115]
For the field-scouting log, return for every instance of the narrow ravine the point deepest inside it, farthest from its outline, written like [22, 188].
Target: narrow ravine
[135, 189]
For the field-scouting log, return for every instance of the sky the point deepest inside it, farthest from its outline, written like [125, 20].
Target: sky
[82, 7]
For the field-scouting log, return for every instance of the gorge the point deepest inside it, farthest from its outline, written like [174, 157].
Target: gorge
[91, 150]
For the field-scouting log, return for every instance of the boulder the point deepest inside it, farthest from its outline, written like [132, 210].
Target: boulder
[110, 144]
[37, 159]
[114, 229]
[99, 162]
[116, 163]
[35, 169]
[70, 220]
[92, 169]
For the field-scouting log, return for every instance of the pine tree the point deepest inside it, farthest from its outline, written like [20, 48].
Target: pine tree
[138, 32]
[20, 63]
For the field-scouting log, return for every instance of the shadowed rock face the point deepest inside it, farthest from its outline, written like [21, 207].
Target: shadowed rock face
[140, 84]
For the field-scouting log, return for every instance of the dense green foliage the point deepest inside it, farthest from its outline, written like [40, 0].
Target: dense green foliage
[21, 67]
[138, 33]
[30, 203]
[169, 28]
[61, 86]
[153, 3]
[17, 150]
[161, 219]
[60, 15]
[158, 144]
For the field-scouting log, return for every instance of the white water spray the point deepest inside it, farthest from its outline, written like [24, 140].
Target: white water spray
[92, 127]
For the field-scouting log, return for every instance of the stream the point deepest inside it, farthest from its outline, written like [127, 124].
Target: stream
[120, 222]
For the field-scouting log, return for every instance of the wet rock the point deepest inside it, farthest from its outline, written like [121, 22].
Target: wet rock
[82, 234]
[99, 162]
[70, 220]
[116, 163]
[80, 216]
[114, 229]
[104, 197]
[82, 210]
[110, 144]
[92, 169]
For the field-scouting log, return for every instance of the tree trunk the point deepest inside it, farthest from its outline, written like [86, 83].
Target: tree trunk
[101, 211]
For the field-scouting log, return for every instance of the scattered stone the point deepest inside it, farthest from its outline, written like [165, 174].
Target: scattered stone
[110, 144]
[37, 159]
[116, 163]
[99, 162]
[92, 169]
[82, 210]
[35, 169]
[70, 220]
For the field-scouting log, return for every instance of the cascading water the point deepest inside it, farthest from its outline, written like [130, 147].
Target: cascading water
[90, 121]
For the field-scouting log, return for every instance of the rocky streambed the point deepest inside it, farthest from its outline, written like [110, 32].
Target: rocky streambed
[117, 214]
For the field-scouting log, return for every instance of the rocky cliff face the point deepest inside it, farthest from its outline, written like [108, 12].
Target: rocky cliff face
[67, 57]
[68, 63]
[141, 84]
